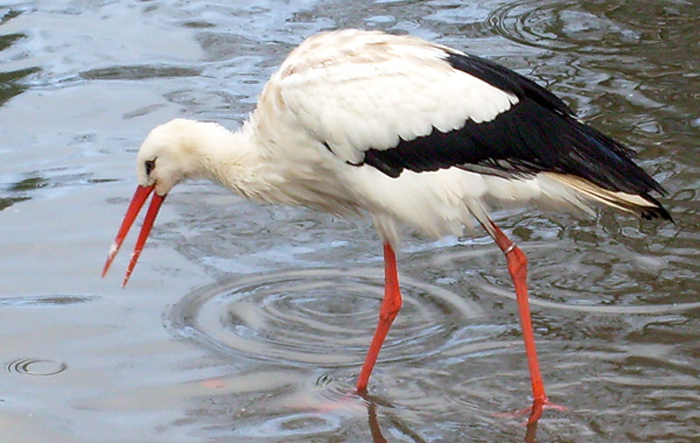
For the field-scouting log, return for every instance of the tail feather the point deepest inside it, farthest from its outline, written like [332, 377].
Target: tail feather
[643, 205]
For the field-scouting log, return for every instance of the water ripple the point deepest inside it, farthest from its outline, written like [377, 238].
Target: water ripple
[317, 317]
[668, 308]
[563, 25]
[36, 367]
[292, 425]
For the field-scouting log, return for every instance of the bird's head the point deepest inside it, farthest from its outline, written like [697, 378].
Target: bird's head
[167, 156]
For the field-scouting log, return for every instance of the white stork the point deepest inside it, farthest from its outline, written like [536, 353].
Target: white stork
[410, 132]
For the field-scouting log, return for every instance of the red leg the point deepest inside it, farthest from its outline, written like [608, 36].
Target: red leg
[387, 313]
[517, 266]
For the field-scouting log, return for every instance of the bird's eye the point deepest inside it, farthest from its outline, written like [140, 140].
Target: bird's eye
[150, 166]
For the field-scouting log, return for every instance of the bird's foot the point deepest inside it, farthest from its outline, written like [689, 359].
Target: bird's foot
[535, 411]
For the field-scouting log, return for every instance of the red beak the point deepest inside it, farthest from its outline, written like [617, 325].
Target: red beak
[140, 197]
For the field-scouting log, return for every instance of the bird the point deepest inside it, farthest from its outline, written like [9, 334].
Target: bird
[410, 133]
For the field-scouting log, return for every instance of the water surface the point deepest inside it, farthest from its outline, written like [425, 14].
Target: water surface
[246, 323]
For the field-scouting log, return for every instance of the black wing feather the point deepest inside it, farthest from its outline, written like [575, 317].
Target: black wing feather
[538, 134]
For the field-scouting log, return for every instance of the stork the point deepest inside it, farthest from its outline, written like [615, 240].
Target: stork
[410, 133]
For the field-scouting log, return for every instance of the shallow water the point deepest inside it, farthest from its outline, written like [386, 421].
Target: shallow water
[244, 323]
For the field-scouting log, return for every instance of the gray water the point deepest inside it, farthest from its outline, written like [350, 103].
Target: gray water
[245, 323]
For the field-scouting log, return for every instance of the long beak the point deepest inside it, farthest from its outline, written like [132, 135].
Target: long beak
[140, 197]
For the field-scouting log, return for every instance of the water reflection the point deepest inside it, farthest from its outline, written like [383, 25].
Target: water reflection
[11, 83]
[44, 300]
[405, 429]
[26, 188]
[138, 72]
[326, 411]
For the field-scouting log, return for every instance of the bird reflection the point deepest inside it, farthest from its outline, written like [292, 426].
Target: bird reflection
[372, 403]
[374, 428]
[531, 432]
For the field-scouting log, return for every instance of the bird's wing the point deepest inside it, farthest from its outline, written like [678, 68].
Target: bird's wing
[399, 102]
[357, 92]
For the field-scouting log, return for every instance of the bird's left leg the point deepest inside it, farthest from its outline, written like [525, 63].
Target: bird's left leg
[517, 266]
[391, 304]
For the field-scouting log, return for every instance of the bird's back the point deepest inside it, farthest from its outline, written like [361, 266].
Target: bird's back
[362, 110]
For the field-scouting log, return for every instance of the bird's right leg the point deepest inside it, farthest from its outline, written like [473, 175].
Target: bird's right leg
[391, 304]
[517, 266]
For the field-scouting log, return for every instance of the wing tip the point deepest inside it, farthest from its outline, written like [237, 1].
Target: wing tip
[655, 212]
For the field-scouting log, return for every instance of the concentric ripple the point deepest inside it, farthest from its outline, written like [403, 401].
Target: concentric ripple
[36, 367]
[317, 317]
[561, 25]
[292, 425]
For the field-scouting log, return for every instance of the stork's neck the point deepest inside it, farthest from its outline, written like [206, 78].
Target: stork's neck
[232, 159]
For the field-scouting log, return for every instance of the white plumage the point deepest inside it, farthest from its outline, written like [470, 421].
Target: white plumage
[405, 84]
[409, 132]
